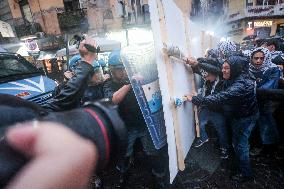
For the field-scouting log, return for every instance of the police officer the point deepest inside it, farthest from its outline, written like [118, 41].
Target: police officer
[94, 90]
[119, 90]
[71, 93]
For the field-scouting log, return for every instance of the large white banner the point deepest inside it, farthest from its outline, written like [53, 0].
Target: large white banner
[171, 27]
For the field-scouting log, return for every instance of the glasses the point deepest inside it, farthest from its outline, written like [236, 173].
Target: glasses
[258, 58]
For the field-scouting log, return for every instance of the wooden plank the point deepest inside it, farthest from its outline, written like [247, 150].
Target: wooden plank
[193, 82]
[180, 155]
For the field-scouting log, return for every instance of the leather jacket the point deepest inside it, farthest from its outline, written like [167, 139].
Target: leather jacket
[71, 93]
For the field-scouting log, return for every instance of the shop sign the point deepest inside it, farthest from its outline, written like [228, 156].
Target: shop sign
[263, 23]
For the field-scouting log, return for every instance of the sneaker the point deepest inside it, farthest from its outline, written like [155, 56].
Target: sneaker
[224, 153]
[200, 142]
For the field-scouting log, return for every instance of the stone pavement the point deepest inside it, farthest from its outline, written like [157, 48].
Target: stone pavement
[204, 169]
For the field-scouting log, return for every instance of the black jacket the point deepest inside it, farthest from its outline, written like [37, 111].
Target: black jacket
[238, 95]
[128, 108]
[72, 92]
[93, 92]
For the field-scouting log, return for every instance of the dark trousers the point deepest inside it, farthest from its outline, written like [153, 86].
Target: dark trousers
[267, 125]
[241, 130]
[219, 122]
[157, 158]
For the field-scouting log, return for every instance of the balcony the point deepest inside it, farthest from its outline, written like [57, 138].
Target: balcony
[26, 29]
[234, 17]
[257, 11]
[73, 21]
[269, 10]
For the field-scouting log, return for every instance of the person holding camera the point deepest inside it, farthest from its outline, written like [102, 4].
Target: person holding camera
[44, 137]
[53, 163]
[70, 94]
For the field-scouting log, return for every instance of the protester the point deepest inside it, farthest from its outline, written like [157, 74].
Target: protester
[225, 48]
[266, 74]
[212, 74]
[238, 100]
[277, 57]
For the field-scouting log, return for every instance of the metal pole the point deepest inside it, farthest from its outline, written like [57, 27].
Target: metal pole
[42, 16]
[67, 50]
[127, 37]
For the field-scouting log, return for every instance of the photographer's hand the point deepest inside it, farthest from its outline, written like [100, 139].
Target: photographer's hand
[59, 157]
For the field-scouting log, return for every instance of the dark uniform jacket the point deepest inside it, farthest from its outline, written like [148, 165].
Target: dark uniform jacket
[71, 93]
[128, 108]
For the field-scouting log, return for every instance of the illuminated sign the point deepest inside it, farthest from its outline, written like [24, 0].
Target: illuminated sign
[263, 23]
[250, 27]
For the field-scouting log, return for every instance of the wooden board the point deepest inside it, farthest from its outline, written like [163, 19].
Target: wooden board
[172, 27]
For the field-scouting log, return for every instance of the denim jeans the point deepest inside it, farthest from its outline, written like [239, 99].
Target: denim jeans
[157, 158]
[219, 123]
[241, 130]
[267, 125]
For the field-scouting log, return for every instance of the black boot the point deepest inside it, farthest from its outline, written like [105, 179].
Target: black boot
[122, 181]
[159, 183]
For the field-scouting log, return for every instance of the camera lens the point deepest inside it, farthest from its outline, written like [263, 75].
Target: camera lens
[96, 121]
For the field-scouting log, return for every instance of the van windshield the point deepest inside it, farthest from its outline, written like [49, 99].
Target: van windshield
[14, 66]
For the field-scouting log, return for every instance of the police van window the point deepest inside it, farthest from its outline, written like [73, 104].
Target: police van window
[12, 66]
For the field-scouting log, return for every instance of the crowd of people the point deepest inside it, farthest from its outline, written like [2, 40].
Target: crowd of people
[228, 99]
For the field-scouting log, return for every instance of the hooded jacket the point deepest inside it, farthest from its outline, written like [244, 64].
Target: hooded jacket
[268, 74]
[238, 95]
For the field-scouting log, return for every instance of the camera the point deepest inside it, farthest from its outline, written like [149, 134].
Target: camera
[76, 40]
[97, 121]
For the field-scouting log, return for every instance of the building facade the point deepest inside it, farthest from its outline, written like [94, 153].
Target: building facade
[55, 17]
[254, 18]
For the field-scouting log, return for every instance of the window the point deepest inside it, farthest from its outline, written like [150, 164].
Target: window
[249, 3]
[26, 11]
[10, 66]
[262, 32]
[71, 5]
[280, 29]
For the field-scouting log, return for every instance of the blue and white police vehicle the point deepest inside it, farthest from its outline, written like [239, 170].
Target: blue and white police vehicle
[21, 78]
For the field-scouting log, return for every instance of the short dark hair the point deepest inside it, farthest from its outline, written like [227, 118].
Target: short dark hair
[272, 42]
[252, 54]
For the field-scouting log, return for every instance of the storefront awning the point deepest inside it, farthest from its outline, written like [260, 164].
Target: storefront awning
[6, 30]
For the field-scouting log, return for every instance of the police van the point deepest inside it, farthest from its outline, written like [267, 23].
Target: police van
[21, 78]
